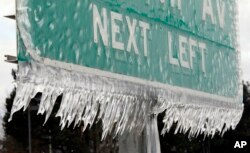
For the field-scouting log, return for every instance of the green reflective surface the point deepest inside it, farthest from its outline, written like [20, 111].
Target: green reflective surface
[190, 44]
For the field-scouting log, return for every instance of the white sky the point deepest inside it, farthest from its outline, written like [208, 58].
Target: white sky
[244, 17]
[8, 45]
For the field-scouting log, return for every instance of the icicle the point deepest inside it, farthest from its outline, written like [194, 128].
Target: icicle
[120, 106]
[147, 142]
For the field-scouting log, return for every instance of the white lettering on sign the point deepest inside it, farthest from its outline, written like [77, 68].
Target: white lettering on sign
[208, 11]
[175, 3]
[102, 26]
[117, 31]
[203, 48]
[116, 17]
[211, 10]
[172, 60]
[221, 12]
[192, 46]
[186, 52]
[181, 52]
[131, 39]
[145, 27]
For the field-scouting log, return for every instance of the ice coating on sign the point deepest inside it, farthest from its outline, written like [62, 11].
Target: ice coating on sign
[120, 105]
[107, 79]
[165, 46]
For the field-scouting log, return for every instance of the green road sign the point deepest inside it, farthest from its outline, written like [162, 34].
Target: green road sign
[128, 59]
[189, 44]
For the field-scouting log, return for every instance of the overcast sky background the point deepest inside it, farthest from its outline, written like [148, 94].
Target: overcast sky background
[8, 45]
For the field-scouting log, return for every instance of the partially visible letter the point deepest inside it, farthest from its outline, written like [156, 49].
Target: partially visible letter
[221, 12]
[172, 60]
[182, 43]
[101, 26]
[202, 47]
[173, 3]
[145, 27]
[116, 30]
[131, 39]
[192, 44]
[207, 10]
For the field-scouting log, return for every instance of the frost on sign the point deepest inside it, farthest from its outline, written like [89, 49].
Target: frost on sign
[124, 61]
